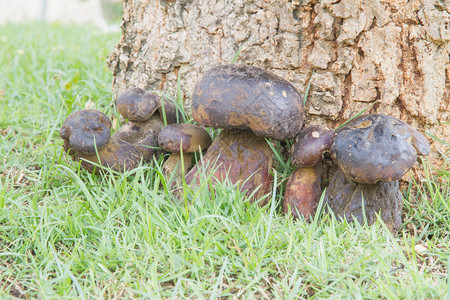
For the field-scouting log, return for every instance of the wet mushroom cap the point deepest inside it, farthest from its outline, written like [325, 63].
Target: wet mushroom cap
[375, 147]
[86, 131]
[312, 142]
[188, 138]
[135, 104]
[245, 97]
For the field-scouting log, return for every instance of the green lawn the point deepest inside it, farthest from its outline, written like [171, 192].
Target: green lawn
[65, 233]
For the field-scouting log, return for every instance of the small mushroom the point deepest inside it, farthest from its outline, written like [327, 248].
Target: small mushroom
[85, 131]
[182, 138]
[172, 115]
[143, 135]
[135, 104]
[86, 135]
[259, 104]
[373, 152]
[303, 191]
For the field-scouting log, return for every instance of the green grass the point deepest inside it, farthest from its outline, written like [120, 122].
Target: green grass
[65, 233]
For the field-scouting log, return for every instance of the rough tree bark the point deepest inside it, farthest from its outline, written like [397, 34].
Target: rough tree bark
[393, 53]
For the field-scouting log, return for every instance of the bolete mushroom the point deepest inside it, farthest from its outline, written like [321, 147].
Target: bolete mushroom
[86, 136]
[85, 131]
[303, 190]
[143, 135]
[146, 114]
[250, 104]
[373, 152]
[135, 104]
[118, 155]
[182, 138]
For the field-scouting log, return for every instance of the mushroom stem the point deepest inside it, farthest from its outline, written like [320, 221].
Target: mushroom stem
[303, 192]
[174, 164]
[363, 202]
[240, 156]
[143, 135]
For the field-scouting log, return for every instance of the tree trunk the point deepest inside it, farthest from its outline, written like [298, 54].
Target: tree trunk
[391, 54]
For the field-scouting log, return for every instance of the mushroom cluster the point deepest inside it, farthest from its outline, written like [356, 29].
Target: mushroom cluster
[249, 105]
[87, 133]
[87, 138]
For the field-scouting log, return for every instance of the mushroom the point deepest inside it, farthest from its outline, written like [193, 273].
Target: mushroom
[145, 114]
[241, 156]
[135, 104]
[182, 138]
[86, 135]
[250, 104]
[118, 155]
[85, 131]
[169, 111]
[143, 135]
[303, 190]
[373, 152]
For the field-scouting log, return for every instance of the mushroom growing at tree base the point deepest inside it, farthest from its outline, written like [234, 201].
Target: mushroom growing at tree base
[373, 152]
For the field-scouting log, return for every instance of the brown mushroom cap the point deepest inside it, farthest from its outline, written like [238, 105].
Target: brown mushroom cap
[170, 111]
[135, 104]
[86, 131]
[312, 142]
[231, 96]
[143, 135]
[376, 147]
[188, 138]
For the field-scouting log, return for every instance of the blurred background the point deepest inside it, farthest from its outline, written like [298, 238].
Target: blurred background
[105, 14]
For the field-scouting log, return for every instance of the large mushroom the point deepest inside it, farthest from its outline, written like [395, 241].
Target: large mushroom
[86, 135]
[373, 152]
[303, 190]
[250, 104]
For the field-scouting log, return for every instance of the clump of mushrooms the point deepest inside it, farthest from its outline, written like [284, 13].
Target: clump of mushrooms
[373, 152]
[250, 104]
[144, 122]
[87, 137]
